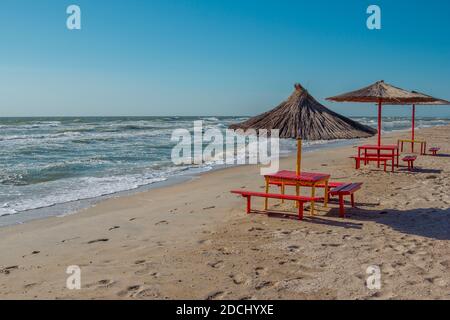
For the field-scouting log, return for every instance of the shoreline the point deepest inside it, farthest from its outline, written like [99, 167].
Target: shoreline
[73, 207]
[194, 240]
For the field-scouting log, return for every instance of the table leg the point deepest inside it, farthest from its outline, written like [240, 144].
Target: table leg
[327, 190]
[313, 203]
[283, 189]
[398, 159]
[297, 193]
[266, 201]
[393, 163]
[378, 156]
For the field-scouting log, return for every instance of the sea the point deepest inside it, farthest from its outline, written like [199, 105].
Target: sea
[56, 166]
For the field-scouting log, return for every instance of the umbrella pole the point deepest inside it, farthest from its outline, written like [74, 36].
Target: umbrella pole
[413, 126]
[298, 169]
[379, 123]
[299, 156]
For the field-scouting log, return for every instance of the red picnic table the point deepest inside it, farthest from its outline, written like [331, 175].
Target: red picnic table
[308, 179]
[392, 152]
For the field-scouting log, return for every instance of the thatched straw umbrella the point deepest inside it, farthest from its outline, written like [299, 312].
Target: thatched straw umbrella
[303, 117]
[382, 94]
[435, 102]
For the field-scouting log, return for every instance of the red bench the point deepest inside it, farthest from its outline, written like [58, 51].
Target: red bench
[410, 160]
[384, 160]
[434, 151]
[299, 199]
[345, 190]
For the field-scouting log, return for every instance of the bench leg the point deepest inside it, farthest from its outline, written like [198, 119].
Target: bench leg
[300, 210]
[282, 188]
[297, 193]
[266, 201]
[313, 203]
[353, 200]
[341, 206]
[327, 194]
[249, 204]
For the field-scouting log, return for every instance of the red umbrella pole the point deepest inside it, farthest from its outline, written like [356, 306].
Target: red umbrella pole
[413, 125]
[379, 123]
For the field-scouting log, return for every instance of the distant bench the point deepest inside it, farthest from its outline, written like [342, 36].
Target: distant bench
[368, 159]
[434, 151]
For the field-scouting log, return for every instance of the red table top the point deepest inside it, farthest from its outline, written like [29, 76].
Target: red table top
[304, 176]
[382, 147]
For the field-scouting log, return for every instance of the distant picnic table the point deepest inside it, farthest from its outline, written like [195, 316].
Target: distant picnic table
[308, 179]
[379, 153]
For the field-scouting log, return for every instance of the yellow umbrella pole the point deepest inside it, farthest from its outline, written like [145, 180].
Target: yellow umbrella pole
[299, 156]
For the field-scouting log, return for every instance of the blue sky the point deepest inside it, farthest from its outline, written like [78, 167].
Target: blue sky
[211, 57]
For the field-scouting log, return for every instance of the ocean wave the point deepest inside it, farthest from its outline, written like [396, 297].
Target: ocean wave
[79, 189]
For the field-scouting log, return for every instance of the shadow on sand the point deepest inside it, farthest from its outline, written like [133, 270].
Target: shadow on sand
[431, 223]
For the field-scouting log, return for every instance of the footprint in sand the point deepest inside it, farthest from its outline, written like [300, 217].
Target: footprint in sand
[148, 270]
[445, 263]
[204, 241]
[98, 240]
[215, 295]
[216, 265]
[263, 285]
[147, 293]
[102, 284]
[163, 222]
[239, 279]
[293, 248]
[8, 270]
[261, 271]
[29, 286]
[114, 228]
[129, 291]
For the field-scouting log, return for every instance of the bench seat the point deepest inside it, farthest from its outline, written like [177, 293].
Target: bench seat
[410, 160]
[373, 159]
[299, 199]
[345, 190]
[434, 151]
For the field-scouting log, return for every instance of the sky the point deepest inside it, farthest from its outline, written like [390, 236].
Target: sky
[211, 57]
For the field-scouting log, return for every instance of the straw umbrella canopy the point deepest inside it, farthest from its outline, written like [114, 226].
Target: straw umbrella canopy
[434, 102]
[303, 117]
[382, 94]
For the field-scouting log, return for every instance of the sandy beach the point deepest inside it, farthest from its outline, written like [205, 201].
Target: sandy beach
[194, 241]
